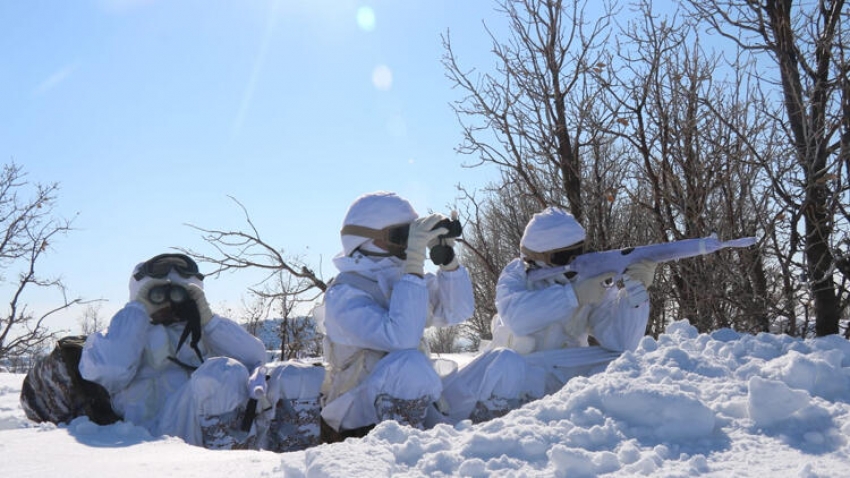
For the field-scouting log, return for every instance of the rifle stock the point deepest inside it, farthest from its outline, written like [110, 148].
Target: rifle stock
[616, 261]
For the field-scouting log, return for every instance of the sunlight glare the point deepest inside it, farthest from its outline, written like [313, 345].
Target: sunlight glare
[382, 77]
[366, 19]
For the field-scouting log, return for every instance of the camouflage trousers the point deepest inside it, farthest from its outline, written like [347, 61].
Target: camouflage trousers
[494, 407]
[296, 425]
[293, 425]
[406, 412]
[225, 431]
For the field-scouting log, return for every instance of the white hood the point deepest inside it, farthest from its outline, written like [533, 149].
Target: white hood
[172, 277]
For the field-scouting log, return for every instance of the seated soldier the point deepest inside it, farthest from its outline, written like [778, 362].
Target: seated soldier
[172, 366]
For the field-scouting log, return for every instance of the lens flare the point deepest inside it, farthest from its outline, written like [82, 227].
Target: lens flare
[366, 18]
[382, 77]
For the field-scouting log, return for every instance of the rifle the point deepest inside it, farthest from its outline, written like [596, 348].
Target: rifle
[616, 261]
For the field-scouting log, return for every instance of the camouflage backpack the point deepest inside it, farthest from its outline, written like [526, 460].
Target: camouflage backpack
[54, 391]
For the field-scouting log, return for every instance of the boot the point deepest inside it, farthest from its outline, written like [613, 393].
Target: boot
[406, 412]
[494, 407]
[296, 425]
[224, 432]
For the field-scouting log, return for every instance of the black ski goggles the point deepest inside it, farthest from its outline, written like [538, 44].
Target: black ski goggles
[167, 292]
[159, 267]
[556, 257]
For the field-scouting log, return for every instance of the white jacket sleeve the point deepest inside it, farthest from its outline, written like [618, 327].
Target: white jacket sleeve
[354, 318]
[616, 324]
[451, 297]
[526, 309]
[112, 357]
[226, 338]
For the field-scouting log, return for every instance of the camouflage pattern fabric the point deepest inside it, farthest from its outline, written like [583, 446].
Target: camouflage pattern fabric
[46, 394]
[406, 412]
[494, 407]
[224, 432]
[296, 425]
[54, 391]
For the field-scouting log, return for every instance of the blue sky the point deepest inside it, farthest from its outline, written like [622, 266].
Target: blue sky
[150, 113]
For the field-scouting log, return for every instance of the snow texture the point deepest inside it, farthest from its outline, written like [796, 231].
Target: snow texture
[688, 404]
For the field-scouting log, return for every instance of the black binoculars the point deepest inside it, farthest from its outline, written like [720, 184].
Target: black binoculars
[167, 292]
[453, 226]
[441, 254]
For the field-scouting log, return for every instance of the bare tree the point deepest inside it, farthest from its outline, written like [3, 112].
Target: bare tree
[629, 127]
[29, 225]
[807, 43]
[531, 118]
[299, 337]
[684, 129]
[247, 250]
[533, 113]
[443, 340]
[491, 240]
[91, 321]
[288, 282]
[255, 313]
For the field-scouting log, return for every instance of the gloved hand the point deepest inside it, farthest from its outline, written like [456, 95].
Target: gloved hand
[590, 291]
[446, 242]
[418, 239]
[197, 295]
[635, 290]
[142, 296]
[643, 271]
[436, 240]
[257, 383]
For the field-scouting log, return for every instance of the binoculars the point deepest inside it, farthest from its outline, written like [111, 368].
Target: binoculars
[441, 254]
[167, 292]
[453, 226]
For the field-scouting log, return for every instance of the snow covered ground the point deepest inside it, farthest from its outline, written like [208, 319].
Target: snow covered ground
[688, 404]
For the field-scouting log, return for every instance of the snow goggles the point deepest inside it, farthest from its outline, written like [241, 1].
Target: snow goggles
[159, 267]
[392, 238]
[556, 257]
[167, 292]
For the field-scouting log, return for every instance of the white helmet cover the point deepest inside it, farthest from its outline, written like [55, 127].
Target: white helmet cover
[550, 229]
[376, 211]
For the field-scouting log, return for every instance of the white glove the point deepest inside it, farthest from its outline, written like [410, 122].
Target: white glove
[436, 240]
[417, 240]
[643, 271]
[257, 383]
[144, 291]
[448, 242]
[197, 294]
[590, 291]
[635, 290]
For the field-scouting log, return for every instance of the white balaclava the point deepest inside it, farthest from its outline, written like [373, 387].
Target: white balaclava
[550, 229]
[376, 211]
[173, 277]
